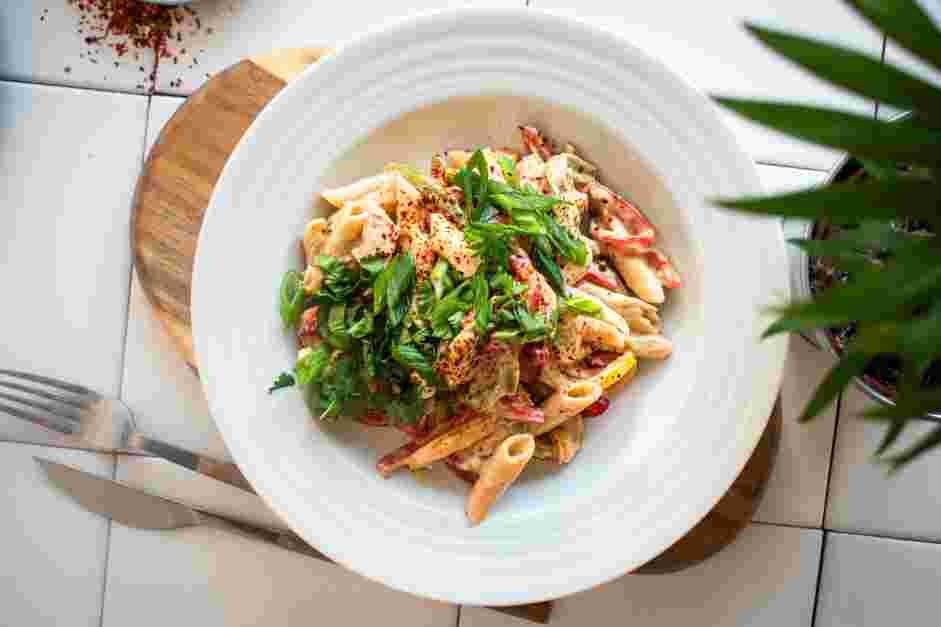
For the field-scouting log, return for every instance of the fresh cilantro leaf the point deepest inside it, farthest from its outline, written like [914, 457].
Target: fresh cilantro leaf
[311, 363]
[283, 380]
[399, 284]
[373, 266]
[339, 280]
[425, 298]
[452, 304]
[491, 242]
[335, 333]
[481, 302]
[583, 305]
[406, 408]
[291, 298]
[502, 283]
[362, 327]
[412, 358]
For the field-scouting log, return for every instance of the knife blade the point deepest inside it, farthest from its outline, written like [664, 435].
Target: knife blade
[135, 508]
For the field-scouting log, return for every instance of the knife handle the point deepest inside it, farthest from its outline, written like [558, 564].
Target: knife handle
[225, 472]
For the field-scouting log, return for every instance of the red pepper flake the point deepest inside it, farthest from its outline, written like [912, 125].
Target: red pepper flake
[597, 408]
[131, 26]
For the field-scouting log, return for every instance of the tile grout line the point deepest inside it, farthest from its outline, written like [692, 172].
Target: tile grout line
[123, 359]
[457, 620]
[823, 549]
[833, 445]
[882, 536]
[54, 85]
[130, 275]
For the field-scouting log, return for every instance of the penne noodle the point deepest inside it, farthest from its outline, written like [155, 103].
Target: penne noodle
[640, 316]
[465, 434]
[339, 196]
[498, 473]
[457, 158]
[448, 241]
[639, 276]
[565, 403]
[567, 439]
[578, 334]
[608, 314]
[315, 236]
[651, 346]
[621, 370]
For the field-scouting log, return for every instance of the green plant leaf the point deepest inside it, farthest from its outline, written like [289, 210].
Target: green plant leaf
[917, 338]
[924, 444]
[905, 23]
[851, 202]
[836, 380]
[872, 296]
[893, 431]
[858, 134]
[291, 298]
[845, 254]
[283, 380]
[482, 308]
[856, 72]
[913, 405]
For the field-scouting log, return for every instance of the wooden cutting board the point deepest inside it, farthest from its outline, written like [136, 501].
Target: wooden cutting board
[174, 190]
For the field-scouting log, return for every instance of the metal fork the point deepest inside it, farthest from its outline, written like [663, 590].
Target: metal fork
[83, 419]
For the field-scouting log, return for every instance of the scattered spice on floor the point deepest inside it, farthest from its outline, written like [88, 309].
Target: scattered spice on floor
[132, 31]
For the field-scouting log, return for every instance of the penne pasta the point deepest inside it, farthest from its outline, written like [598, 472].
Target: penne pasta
[640, 277]
[497, 474]
[339, 196]
[458, 438]
[565, 403]
[621, 370]
[567, 439]
[651, 346]
[640, 315]
[609, 316]
[400, 320]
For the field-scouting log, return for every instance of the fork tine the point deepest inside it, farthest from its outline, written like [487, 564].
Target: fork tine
[56, 383]
[56, 410]
[52, 422]
[36, 392]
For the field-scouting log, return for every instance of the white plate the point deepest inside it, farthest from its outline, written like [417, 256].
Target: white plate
[672, 442]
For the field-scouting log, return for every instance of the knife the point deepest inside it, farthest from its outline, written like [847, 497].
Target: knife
[134, 508]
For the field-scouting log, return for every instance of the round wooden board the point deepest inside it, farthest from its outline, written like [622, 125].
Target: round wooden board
[181, 171]
[173, 193]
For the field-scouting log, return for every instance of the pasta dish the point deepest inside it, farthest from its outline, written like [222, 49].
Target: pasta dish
[485, 309]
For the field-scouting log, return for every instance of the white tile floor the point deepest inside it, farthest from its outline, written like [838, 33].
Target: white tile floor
[68, 161]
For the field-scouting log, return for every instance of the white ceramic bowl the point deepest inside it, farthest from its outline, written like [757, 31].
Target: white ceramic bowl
[672, 442]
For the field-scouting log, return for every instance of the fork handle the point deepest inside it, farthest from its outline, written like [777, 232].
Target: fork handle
[225, 472]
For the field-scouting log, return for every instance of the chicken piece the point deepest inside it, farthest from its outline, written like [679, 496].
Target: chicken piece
[448, 241]
[456, 358]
